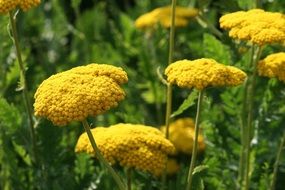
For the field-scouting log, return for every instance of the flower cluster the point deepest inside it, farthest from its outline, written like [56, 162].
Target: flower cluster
[138, 146]
[80, 92]
[273, 66]
[162, 16]
[256, 25]
[201, 73]
[181, 134]
[8, 5]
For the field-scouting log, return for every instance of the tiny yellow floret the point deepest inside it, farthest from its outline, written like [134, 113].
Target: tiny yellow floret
[131, 145]
[273, 66]
[28, 4]
[181, 134]
[162, 16]
[9, 5]
[256, 25]
[83, 91]
[202, 73]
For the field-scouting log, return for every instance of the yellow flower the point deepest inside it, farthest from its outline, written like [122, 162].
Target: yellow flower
[28, 4]
[130, 145]
[162, 16]
[202, 73]
[181, 134]
[256, 25]
[273, 66]
[8, 5]
[80, 92]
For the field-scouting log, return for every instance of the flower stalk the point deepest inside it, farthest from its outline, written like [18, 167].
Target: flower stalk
[242, 163]
[276, 164]
[247, 133]
[101, 158]
[205, 23]
[195, 143]
[169, 86]
[129, 178]
[23, 83]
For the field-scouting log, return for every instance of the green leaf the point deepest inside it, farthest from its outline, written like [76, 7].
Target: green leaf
[200, 168]
[22, 153]
[215, 49]
[9, 116]
[13, 74]
[187, 103]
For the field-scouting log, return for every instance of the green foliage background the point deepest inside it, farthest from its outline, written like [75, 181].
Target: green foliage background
[59, 35]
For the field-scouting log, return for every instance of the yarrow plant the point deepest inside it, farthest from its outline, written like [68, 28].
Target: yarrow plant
[256, 25]
[66, 33]
[80, 92]
[162, 16]
[200, 74]
[131, 145]
[259, 28]
[181, 131]
[83, 91]
[273, 66]
[9, 5]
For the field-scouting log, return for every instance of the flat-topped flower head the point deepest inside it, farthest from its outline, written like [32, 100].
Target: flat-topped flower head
[181, 134]
[28, 4]
[83, 91]
[162, 16]
[256, 25]
[202, 73]
[273, 66]
[142, 147]
[9, 5]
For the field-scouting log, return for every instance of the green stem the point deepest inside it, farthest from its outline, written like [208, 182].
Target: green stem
[167, 122]
[204, 22]
[129, 178]
[172, 32]
[23, 83]
[169, 86]
[276, 164]
[148, 68]
[249, 127]
[195, 144]
[244, 124]
[168, 109]
[100, 157]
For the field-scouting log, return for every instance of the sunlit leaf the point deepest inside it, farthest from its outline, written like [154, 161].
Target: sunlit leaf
[200, 168]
